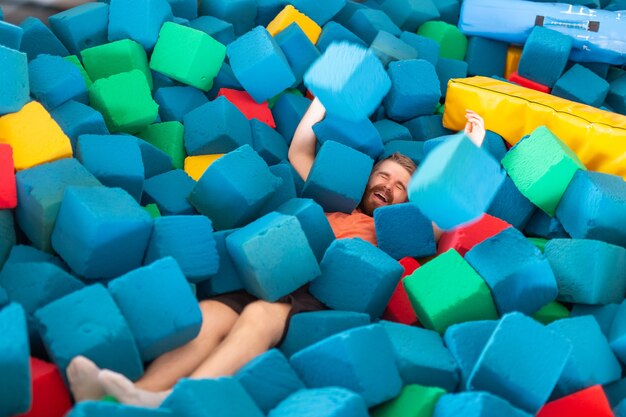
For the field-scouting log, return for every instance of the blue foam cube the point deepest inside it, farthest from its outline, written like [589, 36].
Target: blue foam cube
[431, 365]
[7, 235]
[349, 80]
[218, 29]
[15, 376]
[169, 191]
[240, 13]
[360, 359]
[582, 85]
[101, 232]
[411, 149]
[335, 32]
[267, 11]
[155, 161]
[227, 278]
[10, 35]
[592, 361]
[298, 49]
[38, 39]
[14, 90]
[259, 64]
[285, 192]
[273, 256]
[71, 326]
[544, 56]
[544, 226]
[391, 131]
[159, 306]
[466, 342]
[485, 57]
[494, 144]
[603, 314]
[338, 177]
[269, 379]
[82, 27]
[175, 102]
[580, 278]
[306, 329]
[54, 80]
[410, 14]
[360, 135]
[518, 274]
[107, 409]
[230, 129]
[366, 23]
[322, 402]
[225, 78]
[319, 12]
[521, 363]
[268, 143]
[187, 9]
[439, 187]
[77, 119]
[389, 48]
[448, 68]
[348, 11]
[40, 191]
[351, 264]
[510, 205]
[402, 230]
[114, 160]
[189, 240]
[448, 10]
[415, 90]
[427, 49]
[288, 111]
[617, 333]
[234, 188]
[25, 254]
[616, 98]
[423, 128]
[128, 20]
[475, 404]
[594, 207]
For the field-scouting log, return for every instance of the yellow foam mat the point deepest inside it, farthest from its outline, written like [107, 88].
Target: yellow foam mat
[290, 15]
[34, 136]
[196, 165]
[598, 137]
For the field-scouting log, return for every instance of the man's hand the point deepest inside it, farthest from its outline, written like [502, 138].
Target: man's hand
[475, 127]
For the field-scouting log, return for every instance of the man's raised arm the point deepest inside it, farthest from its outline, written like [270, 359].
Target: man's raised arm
[302, 148]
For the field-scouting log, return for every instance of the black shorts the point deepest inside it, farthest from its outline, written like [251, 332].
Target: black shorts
[301, 301]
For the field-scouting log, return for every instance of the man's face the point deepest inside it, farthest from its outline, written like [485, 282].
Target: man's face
[387, 185]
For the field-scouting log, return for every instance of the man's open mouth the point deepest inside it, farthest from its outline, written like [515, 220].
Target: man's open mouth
[381, 197]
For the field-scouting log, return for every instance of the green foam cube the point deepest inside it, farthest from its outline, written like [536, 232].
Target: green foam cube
[187, 55]
[413, 401]
[551, 312]
[125, 101]
[74, 60]
[153, 210]
[539, 242]
[102, 61]
[168, 137]
[446, 291]
[542, 166]
[452, 43]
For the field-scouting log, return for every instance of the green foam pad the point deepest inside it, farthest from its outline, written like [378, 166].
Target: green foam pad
[168, 137]
[125, 101]
[413, 401]
[74, 60]
[539, 242]
[542, 166]
[551, 312]
[102, 61]
[446, 291]
[187, 55]
[153, 210]
[452, 43]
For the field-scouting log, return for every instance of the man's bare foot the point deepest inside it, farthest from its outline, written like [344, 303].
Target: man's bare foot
[82, 375]
[124, 391]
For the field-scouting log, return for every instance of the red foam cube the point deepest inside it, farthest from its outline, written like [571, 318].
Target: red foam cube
[50, 395]
[525, 82]
[399, 308]
[250, 108]
[8, 193]
[591, 401]
[465, 237]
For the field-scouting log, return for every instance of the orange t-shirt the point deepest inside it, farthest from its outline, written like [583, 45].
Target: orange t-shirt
[355, 224]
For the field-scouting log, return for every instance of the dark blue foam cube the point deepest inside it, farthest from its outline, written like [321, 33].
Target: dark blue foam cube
[519, 276]
[351, 264]
[25, 254]
[431, 365]
[14, 90]
[306, 329]
[475, 404]
[15, 375]
[128, 20]
[234, 188]
[81, 27]
[448, 10]
[273, 256]
[268, 143]
[288, 111]
[402, 230]
[366, 23]
[77, 119]
[388, 48]
[38, 39]
[218, 29]
[335, 32]
[159, 306]
[71, 326]
[392, 131]
[319, 12]
[259, 64]
[189, 240]
[415, 90]
[155, 161]
[544, 56]
[448, 68]
[230, 129]
[54, 80]
[225, 78]
[360, 359]
[494, 144]
[427, 49]
[360, 135]
[285, 192]
[411, 149]
[338, 177]
[267, 11]
[7, 234]
[269, 379]
[581, 279]
[348, 11]
[521, 363]
[581, 85]
[227, 278]
[101, 232]
[322, 402]
[240, 13]
[617, 333]
[410, 14]
[510, 205]
[298, 49]
[594, 207]
[114, 160]
[169, 191]
[175, 102]
[423, 128]
[485, 57]
[40, 191]
[187, 9]
[544, 226]
[616, 98]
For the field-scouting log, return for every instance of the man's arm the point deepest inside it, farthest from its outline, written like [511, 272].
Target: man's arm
[302, 148]
[475, 127]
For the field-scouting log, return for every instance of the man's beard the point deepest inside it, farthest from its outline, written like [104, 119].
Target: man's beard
[367, 206]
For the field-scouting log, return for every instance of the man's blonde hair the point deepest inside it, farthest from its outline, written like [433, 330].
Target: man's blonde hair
[404, 161]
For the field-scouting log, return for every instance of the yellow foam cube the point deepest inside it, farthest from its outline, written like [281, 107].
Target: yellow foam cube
[196, 165]
[34, 136]
[513, 55]
[597, 137]
[290, 15]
